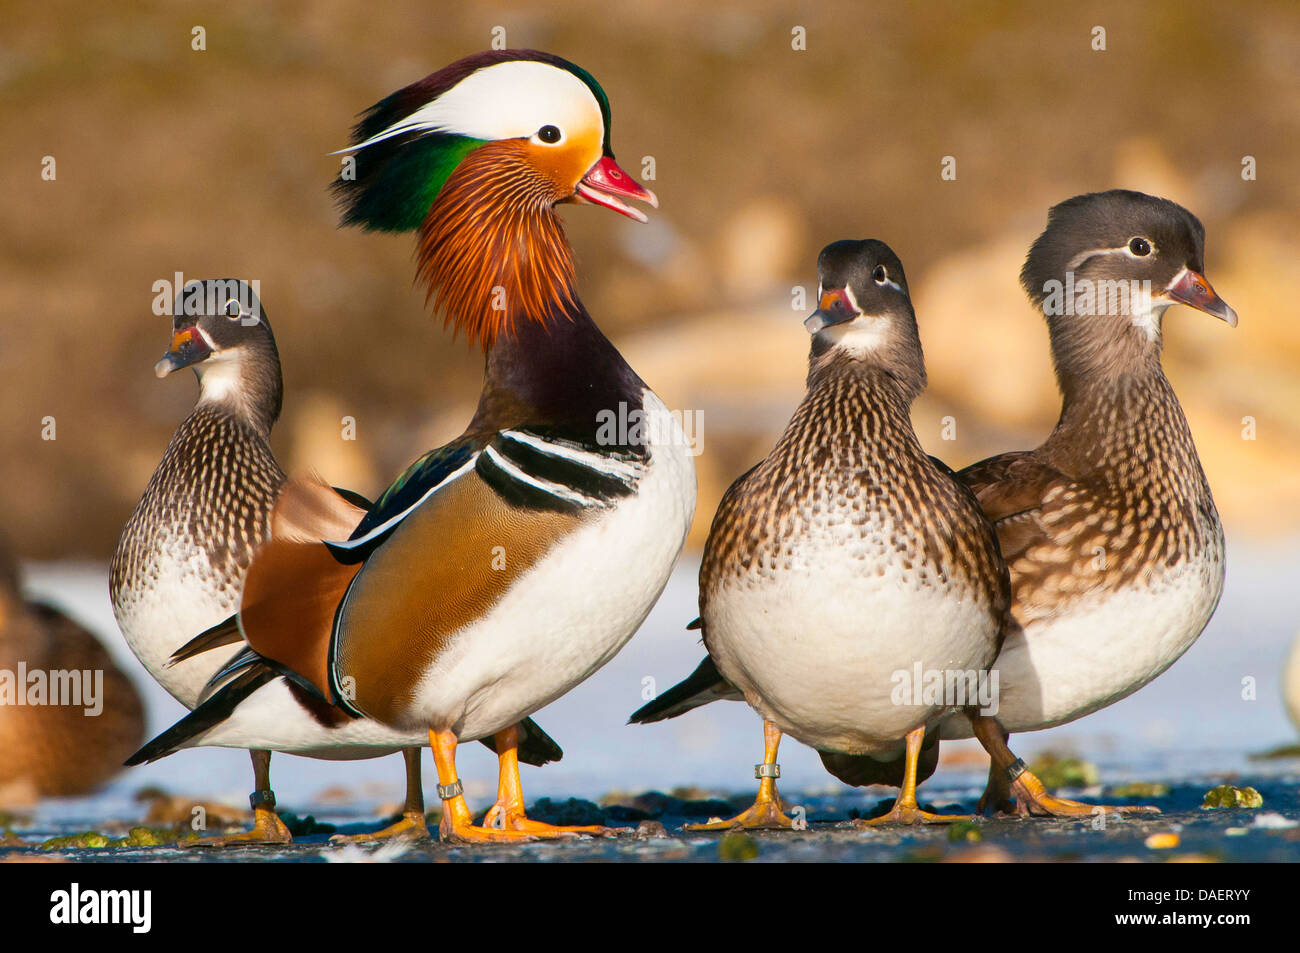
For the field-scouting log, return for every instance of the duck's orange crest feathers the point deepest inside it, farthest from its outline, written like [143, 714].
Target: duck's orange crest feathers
[492, 251]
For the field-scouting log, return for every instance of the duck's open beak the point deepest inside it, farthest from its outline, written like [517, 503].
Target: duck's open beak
[188, 347]
[1191, 288]
[605, 183]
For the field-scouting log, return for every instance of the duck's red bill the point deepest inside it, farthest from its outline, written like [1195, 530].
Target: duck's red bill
[1192, 289]
[606, 184]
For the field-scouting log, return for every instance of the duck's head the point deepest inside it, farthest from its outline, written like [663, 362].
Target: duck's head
[1106, 268]
[220, 329]
[476, 156]
[864, 312]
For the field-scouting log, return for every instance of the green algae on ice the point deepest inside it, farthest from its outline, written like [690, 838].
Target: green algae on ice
[737, 846]
[1225, 795]
[1063, 771]
[1140, 789]
[136, 837]
[965, 832]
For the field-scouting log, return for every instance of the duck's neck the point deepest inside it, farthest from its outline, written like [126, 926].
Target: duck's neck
[244, 383]
[495, 258]
[563, 373]
[1130, 422]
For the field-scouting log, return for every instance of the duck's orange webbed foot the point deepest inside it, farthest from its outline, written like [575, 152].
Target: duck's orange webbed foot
[410, 826]
[267, 828]
[1032, 800]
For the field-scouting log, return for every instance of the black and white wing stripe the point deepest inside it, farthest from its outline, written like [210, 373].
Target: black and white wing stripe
[543, 471]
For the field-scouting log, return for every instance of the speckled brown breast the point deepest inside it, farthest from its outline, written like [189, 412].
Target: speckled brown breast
[212, 494]
[851, 440]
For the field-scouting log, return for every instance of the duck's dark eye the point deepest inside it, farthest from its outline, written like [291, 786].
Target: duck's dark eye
[1139, 246]
[233, 310]
[880, 276]
[549, 134]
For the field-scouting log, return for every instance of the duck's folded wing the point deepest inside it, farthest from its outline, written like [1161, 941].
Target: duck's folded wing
[294, 584]
[443, 569]
[366, 614]
[1051, 528]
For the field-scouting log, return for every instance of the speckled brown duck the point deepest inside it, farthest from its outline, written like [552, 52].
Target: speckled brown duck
[846, 557]
[1109, 529]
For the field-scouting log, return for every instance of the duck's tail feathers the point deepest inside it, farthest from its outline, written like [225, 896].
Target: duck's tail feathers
[702, 686]
[536, 747]
[206, 716]
[223, 633]
[861, 770]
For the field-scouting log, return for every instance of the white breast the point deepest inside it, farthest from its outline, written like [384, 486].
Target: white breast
[573, 611]
[179, 597]
[816, 649]
[1102, 648]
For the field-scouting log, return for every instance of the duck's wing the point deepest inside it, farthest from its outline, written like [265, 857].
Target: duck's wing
[227, 632]
[440, 547]
[1050, 526]
[294, 584]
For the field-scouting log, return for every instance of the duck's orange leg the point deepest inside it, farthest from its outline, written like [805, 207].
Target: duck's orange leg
[1032, 798]
[905, 809]
[766, 813]
[508, 811]
[412, 824]
[457, 822]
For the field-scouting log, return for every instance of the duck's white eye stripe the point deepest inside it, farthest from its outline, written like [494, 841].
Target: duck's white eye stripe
[853, 302]
[1074, 263]
[510, 100]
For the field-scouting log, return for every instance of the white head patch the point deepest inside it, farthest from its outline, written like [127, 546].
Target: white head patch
[509, 100]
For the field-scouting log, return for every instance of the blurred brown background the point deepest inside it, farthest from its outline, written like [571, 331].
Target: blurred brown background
[215, 163]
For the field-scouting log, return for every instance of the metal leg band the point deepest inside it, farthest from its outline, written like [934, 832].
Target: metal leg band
[767, 771]
[449, 791]
[261, 799]
[1016, 768]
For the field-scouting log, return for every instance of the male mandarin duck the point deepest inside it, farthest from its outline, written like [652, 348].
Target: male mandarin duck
[68, 714]
[846, 557]
[1109, 529]
[501, 570]
[180, 564]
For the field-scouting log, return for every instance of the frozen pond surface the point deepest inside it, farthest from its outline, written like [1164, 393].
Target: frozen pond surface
[1192, 727]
